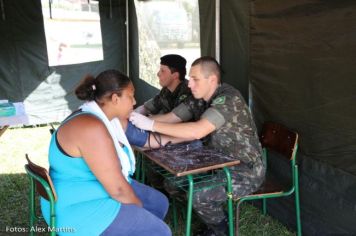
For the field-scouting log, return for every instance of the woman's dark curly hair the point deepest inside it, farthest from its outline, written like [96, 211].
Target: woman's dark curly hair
[104, 85]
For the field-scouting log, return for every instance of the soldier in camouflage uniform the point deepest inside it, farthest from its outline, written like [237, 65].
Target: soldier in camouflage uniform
[174, 91]
[236, 136]
[227, 125]
[167, 101]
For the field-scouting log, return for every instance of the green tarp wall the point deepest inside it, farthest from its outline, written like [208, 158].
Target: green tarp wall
[302, 74]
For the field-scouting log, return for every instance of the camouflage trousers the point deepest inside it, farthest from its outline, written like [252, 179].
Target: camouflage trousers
[209, 202]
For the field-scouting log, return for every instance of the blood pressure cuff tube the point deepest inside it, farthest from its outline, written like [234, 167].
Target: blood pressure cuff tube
[136, 136]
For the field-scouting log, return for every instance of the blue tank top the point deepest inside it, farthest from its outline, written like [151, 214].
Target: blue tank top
[83, 206]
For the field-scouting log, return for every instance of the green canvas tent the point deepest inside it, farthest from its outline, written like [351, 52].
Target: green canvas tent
[293, 60]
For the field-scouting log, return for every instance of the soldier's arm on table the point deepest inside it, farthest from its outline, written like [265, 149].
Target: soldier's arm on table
[167, 118]
[188, 130]
[210, 120]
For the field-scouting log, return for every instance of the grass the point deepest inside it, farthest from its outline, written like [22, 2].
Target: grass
[14, 143]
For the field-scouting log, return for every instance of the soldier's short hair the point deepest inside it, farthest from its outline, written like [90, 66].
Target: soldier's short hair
[209, 66]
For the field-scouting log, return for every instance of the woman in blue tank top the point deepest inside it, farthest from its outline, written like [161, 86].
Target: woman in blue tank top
[91, 167]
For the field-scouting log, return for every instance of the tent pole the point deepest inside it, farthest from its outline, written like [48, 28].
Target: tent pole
[50, 8]
[127, 39]
[110, 10]
[217, 30]
[2, 10]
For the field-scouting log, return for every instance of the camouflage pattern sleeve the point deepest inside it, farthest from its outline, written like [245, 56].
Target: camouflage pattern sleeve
[214, 117]
[190, 109]
[158, 103]
[182, 112]
[149, 106]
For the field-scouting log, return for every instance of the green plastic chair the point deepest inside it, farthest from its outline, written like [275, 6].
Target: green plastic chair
[278, 139]
[40, 182]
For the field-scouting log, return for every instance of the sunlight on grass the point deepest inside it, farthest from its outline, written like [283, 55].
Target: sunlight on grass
[14, 143]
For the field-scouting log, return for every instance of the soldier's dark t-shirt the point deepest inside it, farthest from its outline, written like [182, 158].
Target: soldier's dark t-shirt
[166, 101]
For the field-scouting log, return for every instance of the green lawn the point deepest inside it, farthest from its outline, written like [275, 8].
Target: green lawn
[14, 143]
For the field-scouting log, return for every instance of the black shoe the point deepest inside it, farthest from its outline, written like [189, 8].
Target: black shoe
[206, 232]
[221, 229]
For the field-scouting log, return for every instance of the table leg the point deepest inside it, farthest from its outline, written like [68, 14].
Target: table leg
[229, 199]
[138, 165]
[3, 129]
[189, 206]
[143, 169]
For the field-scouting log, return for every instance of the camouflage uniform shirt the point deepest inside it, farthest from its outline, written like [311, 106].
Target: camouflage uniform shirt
[236, 133]
[167, 101]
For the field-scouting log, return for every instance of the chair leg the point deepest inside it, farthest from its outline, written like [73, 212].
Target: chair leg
[138, 166]
[237, 218]
[174, 211]
[143, 169]
[32, 205]
[189, 206]
[230, 203]
[52, 224]
[264, 206]
[297, 203]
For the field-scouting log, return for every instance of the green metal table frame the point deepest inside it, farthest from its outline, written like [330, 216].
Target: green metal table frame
[140, 175]
[190, 203]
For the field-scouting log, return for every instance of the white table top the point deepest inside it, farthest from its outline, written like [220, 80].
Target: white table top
[18, 119]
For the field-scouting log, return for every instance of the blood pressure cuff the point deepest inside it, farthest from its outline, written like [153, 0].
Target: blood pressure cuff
[136, 136]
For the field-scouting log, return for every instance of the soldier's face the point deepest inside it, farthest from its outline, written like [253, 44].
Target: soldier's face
[165, 76]
[200, 86]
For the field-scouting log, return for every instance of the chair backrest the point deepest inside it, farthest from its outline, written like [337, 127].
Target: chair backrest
[40, 174]
[279, 139]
